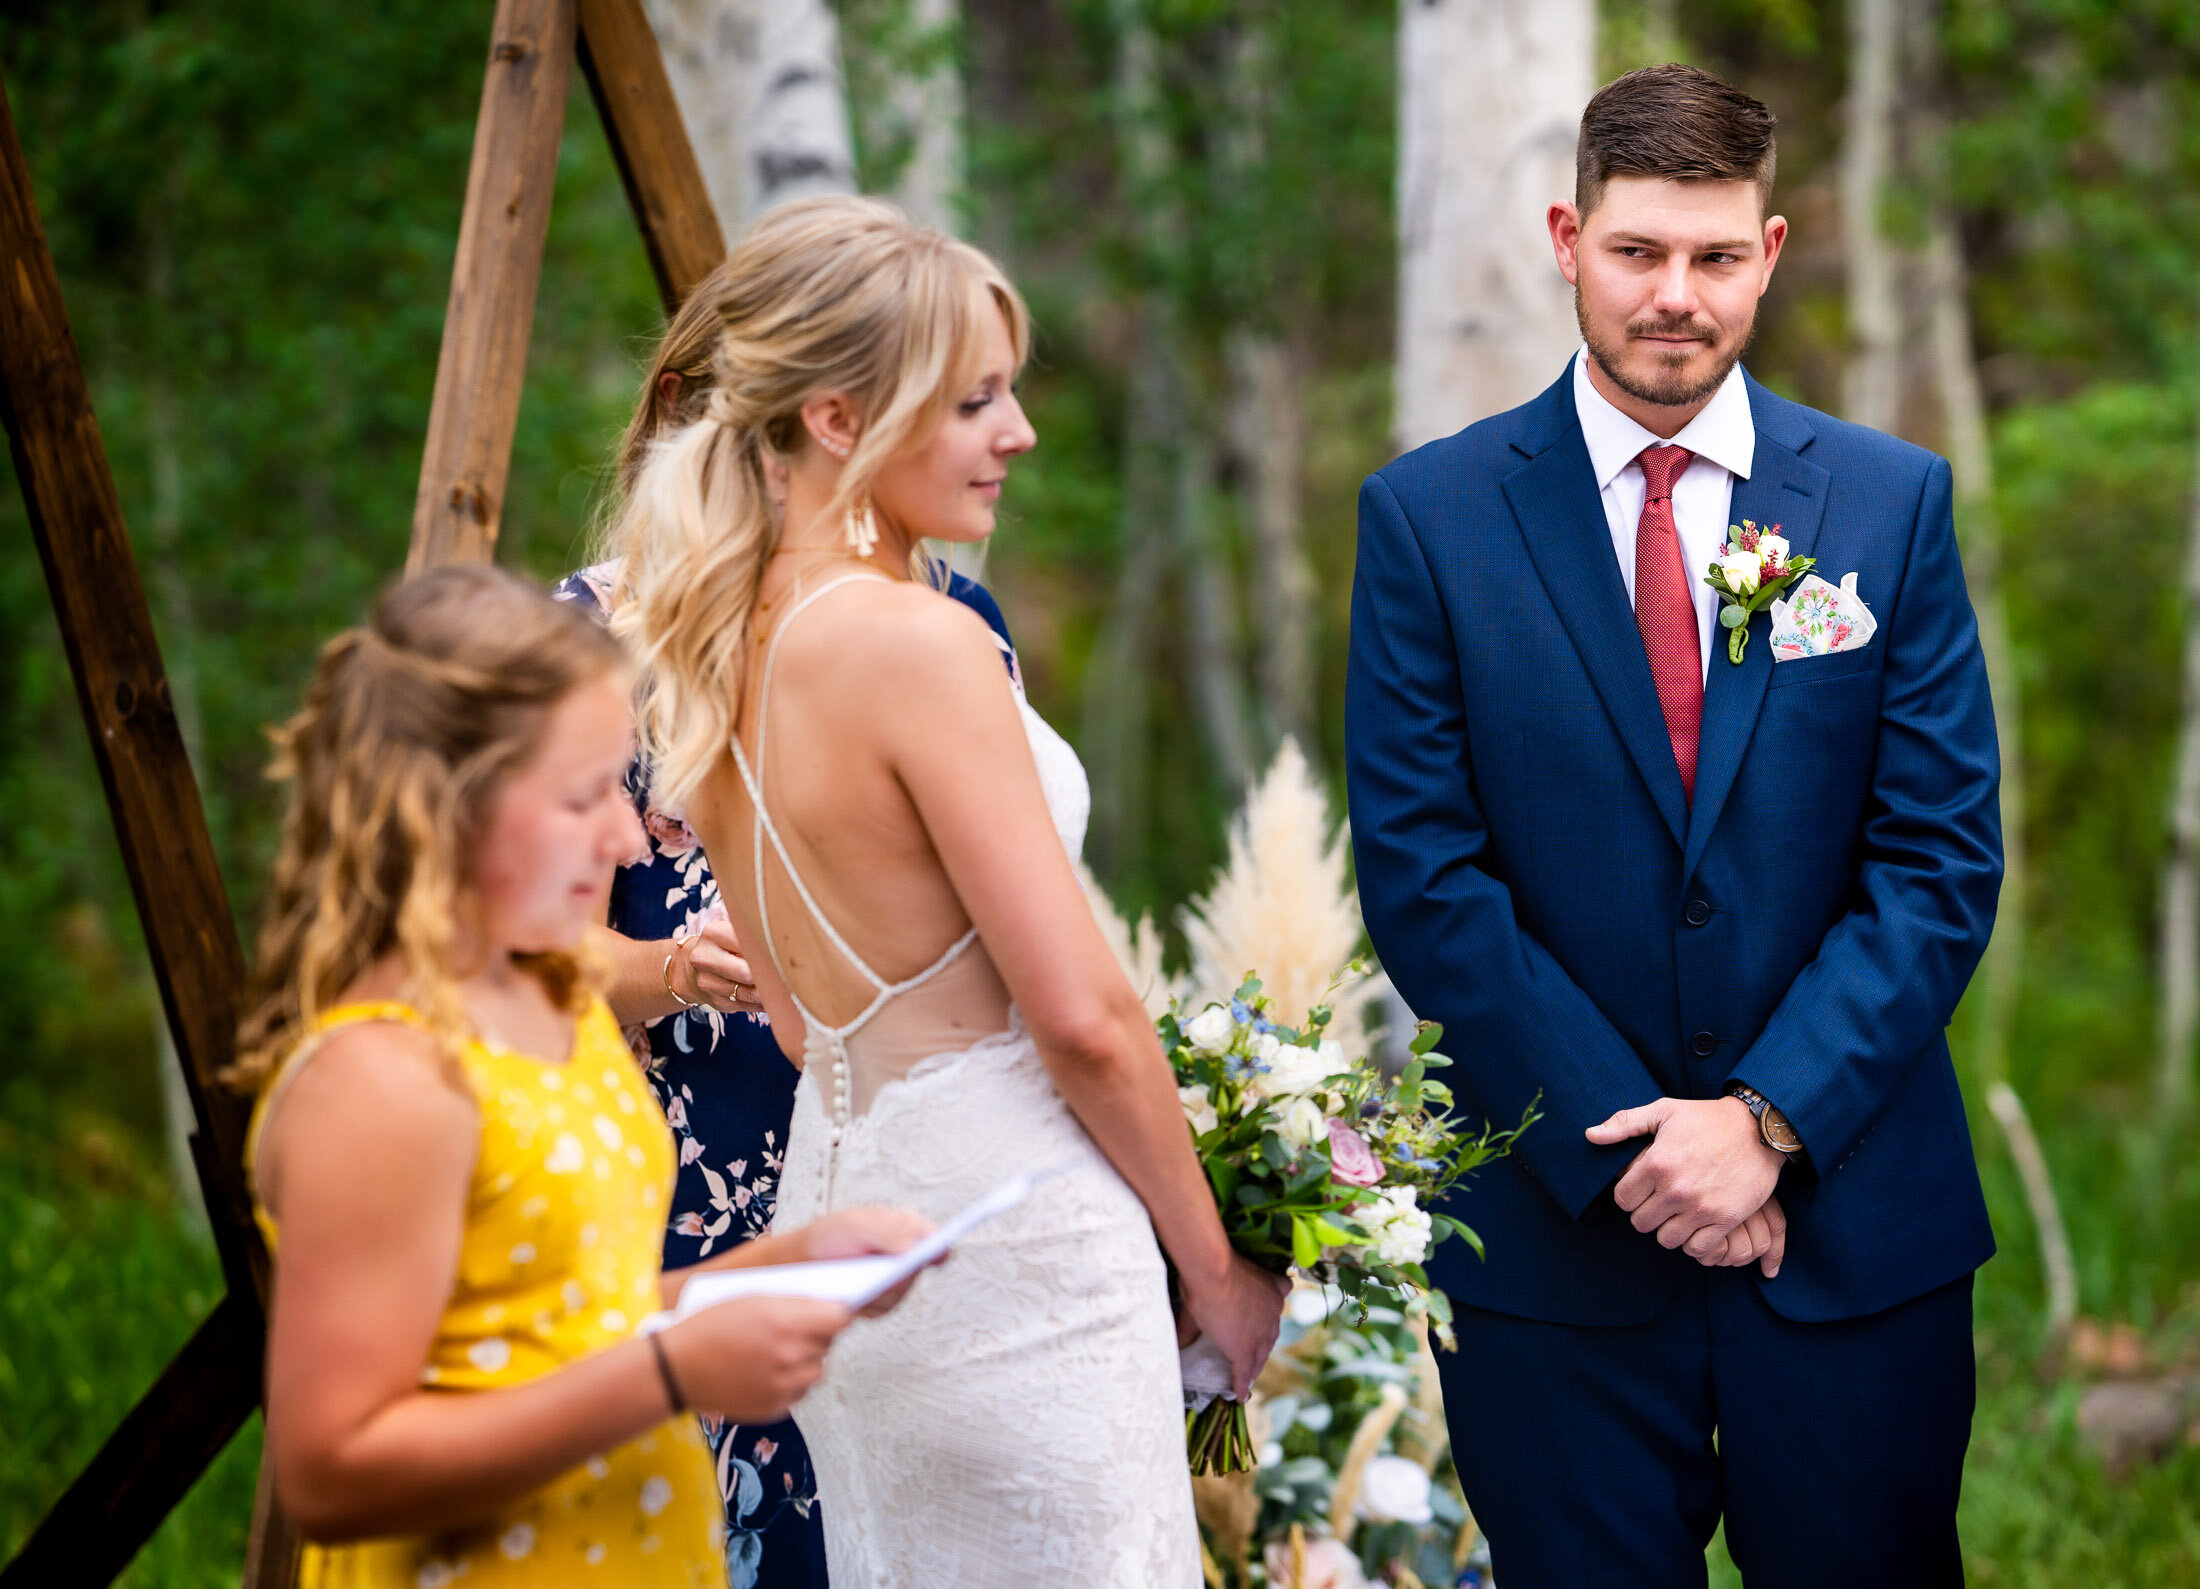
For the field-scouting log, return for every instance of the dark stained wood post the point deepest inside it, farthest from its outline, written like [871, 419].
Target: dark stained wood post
[493, 281]
[626, 74]
[107, 631]
[208, 1391]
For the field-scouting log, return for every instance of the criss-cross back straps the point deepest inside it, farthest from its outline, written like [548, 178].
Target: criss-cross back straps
[761, 827]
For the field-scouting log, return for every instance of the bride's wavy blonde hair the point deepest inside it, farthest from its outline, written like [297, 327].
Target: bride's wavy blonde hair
[409, 724]
[839, 295]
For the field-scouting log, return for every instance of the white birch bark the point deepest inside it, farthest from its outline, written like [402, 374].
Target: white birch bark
[2180, 950]
[928, 110]
[760, 87]
[1872, 381]
[1267, 427]
[1268, 422]
[1490, 94]
[179, 634]
[1168, 478]
[1963, 405]
[1118, 690]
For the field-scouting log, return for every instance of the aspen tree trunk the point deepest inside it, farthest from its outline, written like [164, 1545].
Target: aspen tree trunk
[1118, 704]
[1169, 466]
[1954, 363]
[1872, 384]
[928, 110]
[760, 87]
[2180, 966]
[2002, 972]
[1211, 599]
[1489, 103]
[1268, 424]
[171, 594]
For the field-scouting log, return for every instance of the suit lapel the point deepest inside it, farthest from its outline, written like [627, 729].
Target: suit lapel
[1783, 489]
[1561, 517]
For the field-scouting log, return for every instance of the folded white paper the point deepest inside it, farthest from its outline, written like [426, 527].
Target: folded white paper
[1821, 619]
[851, 1282]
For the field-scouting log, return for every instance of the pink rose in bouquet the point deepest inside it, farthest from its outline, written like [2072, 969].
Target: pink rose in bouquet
[1351, 1161]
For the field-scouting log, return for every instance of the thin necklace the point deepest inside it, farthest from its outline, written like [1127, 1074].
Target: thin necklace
[765, 604]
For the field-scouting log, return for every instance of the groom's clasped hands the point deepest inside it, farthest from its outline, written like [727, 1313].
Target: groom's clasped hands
[1705, 1182]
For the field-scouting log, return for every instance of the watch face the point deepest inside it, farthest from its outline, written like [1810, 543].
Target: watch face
[1778, 1133]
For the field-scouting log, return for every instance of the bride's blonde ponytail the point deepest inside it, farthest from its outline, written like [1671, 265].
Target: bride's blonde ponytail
[825, 295]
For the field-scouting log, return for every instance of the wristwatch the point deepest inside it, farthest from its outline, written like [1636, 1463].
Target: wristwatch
[1772, 1126]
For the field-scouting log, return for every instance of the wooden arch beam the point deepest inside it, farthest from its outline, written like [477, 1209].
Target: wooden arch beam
[491, 316]
[211, 1387]
[160, 826]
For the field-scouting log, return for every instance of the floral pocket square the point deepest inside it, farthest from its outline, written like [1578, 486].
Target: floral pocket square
[1821, 619]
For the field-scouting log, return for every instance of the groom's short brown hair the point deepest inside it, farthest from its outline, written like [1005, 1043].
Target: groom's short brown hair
[1679, 122]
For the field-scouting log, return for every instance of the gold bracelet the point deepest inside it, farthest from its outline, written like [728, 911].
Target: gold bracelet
[685, 1004]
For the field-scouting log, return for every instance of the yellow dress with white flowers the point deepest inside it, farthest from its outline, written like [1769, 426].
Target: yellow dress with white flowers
[564, 1231]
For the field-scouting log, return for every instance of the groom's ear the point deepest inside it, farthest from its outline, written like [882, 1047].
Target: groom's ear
[1776, 231]
[1564, 222]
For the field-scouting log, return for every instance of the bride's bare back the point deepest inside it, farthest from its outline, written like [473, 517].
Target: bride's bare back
[888, 718]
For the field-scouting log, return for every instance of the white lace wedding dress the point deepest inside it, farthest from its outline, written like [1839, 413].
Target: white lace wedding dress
[1017, 1421]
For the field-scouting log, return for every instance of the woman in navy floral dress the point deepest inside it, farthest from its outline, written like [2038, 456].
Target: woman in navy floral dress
[681, 991]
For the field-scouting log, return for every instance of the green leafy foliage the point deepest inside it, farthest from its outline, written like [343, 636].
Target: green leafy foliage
[254, 208]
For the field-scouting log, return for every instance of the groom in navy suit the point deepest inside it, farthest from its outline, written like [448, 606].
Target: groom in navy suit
[1714, 915]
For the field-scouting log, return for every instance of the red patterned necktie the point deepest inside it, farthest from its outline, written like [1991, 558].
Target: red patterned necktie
[1665, 610]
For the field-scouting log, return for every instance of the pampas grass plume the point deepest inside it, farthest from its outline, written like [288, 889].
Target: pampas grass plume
[1281, 906]
[1137, 949]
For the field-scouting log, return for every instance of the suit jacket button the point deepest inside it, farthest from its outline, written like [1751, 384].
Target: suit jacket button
[1697, 913]
[1703, 1045]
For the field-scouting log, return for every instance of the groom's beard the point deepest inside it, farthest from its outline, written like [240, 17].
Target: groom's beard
[1667, 386]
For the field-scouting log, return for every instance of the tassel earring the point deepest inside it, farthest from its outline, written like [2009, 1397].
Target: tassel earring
[862, 528]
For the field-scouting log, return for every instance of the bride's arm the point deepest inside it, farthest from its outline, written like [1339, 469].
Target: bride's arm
[957, 742]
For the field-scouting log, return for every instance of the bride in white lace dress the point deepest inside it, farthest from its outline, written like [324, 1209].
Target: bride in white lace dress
[894, 826]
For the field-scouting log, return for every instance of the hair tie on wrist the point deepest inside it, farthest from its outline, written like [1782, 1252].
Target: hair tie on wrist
[664, 1372]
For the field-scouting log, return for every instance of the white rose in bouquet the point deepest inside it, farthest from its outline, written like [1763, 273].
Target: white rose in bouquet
[1199, 1109]
[1302, 1123]
[1293, 1071]
[1394, 1489]
[1401, 1229]
[1773, 549]
[1741, 570]
[1210, 1031]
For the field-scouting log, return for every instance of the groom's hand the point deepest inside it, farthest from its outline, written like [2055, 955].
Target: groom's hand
[1705, 1172]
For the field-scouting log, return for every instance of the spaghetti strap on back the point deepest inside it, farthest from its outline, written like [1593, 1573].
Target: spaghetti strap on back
[761, 827]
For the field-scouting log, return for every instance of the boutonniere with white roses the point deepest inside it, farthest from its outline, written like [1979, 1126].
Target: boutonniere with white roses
[1319, 1162]
[1749, 574]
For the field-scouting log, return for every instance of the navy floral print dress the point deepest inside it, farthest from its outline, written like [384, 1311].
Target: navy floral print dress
[728, 1093]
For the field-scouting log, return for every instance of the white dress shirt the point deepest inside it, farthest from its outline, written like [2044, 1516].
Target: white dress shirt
[1724, 439]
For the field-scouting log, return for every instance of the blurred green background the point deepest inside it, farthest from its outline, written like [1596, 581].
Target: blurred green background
[254, 207]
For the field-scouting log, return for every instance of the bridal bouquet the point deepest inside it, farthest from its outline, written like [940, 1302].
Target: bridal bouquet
[1318, 1162]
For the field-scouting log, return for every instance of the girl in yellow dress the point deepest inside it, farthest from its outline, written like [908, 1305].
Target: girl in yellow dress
[457, 1166]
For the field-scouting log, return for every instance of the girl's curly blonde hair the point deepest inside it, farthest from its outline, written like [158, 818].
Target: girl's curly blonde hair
[410, 722]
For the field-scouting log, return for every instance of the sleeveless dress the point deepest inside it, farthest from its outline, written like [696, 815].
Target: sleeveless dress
[559, 1259]
[728, 1093]
[1018, 1419]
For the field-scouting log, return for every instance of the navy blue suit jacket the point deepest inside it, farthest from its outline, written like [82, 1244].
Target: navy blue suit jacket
[1534, 878]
